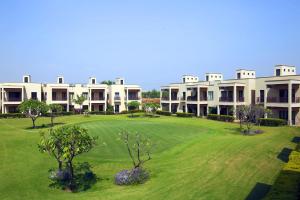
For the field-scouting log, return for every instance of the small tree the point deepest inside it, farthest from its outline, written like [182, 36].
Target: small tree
[76, 141]
[108, 82]
[133, 105]
[54, 110]
[139, 148]
[33, 109]
[240, 114]
[109, 108]
[150, 107]
[79, 100]
[52, 143]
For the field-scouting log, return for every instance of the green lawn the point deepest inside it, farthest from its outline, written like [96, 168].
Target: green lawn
[193, 159]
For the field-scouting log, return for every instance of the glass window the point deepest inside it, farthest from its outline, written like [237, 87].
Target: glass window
[210, 95]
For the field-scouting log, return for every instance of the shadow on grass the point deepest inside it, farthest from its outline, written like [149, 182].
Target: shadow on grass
[284, 154]
[259, 191]
[84, 178]
[235, 130]
[296, 140]
[44, 126]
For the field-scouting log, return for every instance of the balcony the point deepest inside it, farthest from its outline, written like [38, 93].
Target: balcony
[117, 98]
[165, 98]
[175, 98]
[101, 98]
[277, 99]
[59, 99]
[203, 98]
[240, 99]
[226, 99]
[192, 98]
[295, 99]
[133, 98]
[12, 99]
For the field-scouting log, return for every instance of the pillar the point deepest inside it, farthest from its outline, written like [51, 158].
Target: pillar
[198, 110]
[68, 101]
[234, 100]
[290, 103]
[218, 110]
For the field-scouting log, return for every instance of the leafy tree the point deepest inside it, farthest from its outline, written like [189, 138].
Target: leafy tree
[139, 148]
[109, 108]
[76, 141]
[108, 82]
[79, 100]
[151, 94]
[133, 105]
[52, 143]
[240, 113]
[54, 110]
[150, 107]
[33, 109]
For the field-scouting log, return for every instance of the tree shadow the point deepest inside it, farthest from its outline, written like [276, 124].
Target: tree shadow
[284, 154]
[259, 191]
[296, 140]
[45, 126]
[84, 178]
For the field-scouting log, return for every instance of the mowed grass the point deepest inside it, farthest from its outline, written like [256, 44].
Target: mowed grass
[193, 159]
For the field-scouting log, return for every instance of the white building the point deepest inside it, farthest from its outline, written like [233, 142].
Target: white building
[279, 93]
[98, 96]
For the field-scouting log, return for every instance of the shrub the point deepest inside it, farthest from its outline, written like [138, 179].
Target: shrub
[97, 112]
[224, 118]
[130, 177]
[271, 122]
[181, 114]
[65, 113]
[160, 112]
[12, 115]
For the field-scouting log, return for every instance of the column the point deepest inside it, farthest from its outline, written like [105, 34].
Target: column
[198, 93]
[68, 100]
[234, 100]
[2, 100]
[22, 94]
[90, 99]
[198, 110]
[290, 103]
[170, 103]
[218, 110]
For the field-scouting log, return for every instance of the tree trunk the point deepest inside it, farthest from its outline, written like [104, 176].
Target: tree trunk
[59, 165]
[33, 122]
[71, 170]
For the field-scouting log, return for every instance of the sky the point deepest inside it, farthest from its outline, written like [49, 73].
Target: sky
[150, 43]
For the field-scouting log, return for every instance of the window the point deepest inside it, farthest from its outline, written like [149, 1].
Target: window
[238, 75]
[93, 81]
[71, 96]
[219, 76]
[288, 70]
[26, 80]
[34, 95]
[53, 95]
[252, 74]
[210, 95]
[85, 94]
[117, 94]
[60, 80]
[248, 73]
[293, 70]
[122, 82]
[183, 80]
[64, 95]
[207, 78]
[262, 96]
[277, 72]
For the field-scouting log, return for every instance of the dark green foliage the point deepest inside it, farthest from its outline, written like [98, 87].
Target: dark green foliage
[166, 113]
[108, 82]
[224, 118]
[181, 114]
[109, 108]
[12, 115]
[151, 94]
[271, 122]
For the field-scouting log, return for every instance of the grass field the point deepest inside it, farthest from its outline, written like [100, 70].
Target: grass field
[193, 159]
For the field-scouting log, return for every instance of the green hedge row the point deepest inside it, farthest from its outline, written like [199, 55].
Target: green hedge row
[160, 112]
[224, 118]
[101, 113]
[287, 185]
[12, 115]
[132, 111]
[181, 114]
[271, 122]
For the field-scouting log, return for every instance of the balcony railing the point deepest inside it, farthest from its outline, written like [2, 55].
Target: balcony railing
[192, 98]
[133, 98]
[165, 98]
[203, 98]
[277, 99]
[226, 99]
[240, 99]
[260, 100]
[98, 98]
[59, 99]
[174, 98]
[12, 99]
[117, 98]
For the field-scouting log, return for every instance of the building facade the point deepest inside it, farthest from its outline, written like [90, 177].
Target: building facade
[280, 93]
[97, 96]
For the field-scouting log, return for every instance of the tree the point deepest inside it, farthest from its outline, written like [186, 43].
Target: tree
[108, 82]
[109, 108]
[52, 143]
[33, 109]
[133, 105]
[79, 100]
[54, 110]
[76, 141]
[240, 114]
[150, 107]
[139, 148]
[151, 94]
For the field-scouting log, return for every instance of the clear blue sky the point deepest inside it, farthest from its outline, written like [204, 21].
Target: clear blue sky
[150, 43]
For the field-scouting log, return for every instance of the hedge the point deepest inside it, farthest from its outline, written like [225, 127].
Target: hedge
[160, 112]
[287, 186]
[12, 115]
[224, 118]
[181, 114]
[271, 122]
[132, 111]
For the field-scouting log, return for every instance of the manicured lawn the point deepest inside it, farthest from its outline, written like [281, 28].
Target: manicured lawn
[193, 159]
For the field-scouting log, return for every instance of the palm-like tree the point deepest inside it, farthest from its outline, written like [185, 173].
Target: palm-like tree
[79, 100]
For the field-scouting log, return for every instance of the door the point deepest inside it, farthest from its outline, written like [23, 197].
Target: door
[277, 72]
[117, 108]
[252, 97]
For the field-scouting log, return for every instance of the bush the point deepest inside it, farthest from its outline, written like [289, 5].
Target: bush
[131, 111]
[286, 185]
[65, 113]
[12, 115]
[166, 113]
[97, 112]
[181, 114]
[271, 122]
[130, 177]
[224, 118]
